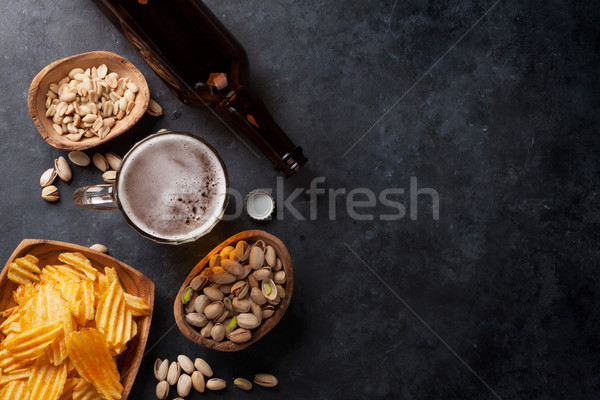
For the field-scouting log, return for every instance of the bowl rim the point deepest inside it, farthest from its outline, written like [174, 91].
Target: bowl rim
[129, 374]
[34, 92]
[227, 346]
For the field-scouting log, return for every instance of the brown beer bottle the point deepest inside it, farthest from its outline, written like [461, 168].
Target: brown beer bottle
[203, 64]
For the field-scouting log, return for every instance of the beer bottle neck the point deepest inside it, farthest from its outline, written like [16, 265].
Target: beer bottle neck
[245, 112]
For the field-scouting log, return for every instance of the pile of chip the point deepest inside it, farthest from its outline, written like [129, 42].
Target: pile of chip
[61, 338]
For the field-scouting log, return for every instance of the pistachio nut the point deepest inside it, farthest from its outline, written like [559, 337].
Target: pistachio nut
[260, 244]
[221, 276]
[225, 251]
[221, 318]
[270, 256]
[215, 261]
[276, 300]
[247, 270]
[231, 324]
[200, 303]
[242, 251]
[113, 160]
[100, 162]
[257, 311]
[233, 267]
[196, 319]
[248, 321]
[257, 296]
[226, 289]
[203, 367]
[265, 380]
[62, 169]
[278, 265]
[187, 295]
[173, 373]
[184, 385]
[213, 293]
[279, 277]
[50, 193]
[205, 331]
[162, 390]
[216, 384]
[154, 108]
[269, 290]
[240, 335]
[268, 311]
[189, 307]
[240, 289]
[48, 177]
[280, 291]
[228, 304]
[198, 282]
[242, 383]
[79, 158]
[218, 332]
[241, 305]
[109, 176]
[257, 257]
[99, 247]
[253, 282]
[186, 363]
[214, 310]
[262, 274]
[161, 367]
[198, 381]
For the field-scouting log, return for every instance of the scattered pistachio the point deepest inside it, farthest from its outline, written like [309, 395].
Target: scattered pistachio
[48, 177]
[99, 247]
[216, 384]
[242, 383]
[50, 193]
[62, 169]
[203, 367]
[265, 380]
[79, 158]
[184, 385]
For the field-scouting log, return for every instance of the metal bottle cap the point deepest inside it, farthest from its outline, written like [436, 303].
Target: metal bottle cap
[259, 205]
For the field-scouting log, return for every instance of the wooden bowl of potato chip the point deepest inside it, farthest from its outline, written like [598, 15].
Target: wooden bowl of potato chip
[121, 290]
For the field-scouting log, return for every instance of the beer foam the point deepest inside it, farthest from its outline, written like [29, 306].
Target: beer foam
[172, 187]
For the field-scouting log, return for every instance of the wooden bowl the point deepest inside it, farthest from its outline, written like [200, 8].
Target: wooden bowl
[133, 282]
[193, 333]
[58, 70]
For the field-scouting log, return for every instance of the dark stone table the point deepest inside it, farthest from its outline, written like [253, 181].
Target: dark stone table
[493, 111]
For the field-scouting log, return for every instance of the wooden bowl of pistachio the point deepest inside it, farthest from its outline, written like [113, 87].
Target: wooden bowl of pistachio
[84, 100]
[237, 293]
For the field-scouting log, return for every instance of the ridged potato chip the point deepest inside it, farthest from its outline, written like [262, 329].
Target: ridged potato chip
[79, 261]
[15, 390]
[113, 317]
[84, 391]
[34, 342]
[67, 392]
[24, 270]
[18, 375]
[46, 381]
[9, 364]
[90, 354]
[137, 305]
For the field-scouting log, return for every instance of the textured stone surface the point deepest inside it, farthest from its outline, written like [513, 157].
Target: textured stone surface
[504, 127]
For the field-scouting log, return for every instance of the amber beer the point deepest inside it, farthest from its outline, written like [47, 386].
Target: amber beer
[203, 64]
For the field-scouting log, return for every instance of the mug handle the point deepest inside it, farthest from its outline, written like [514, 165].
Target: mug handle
[98, 197]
